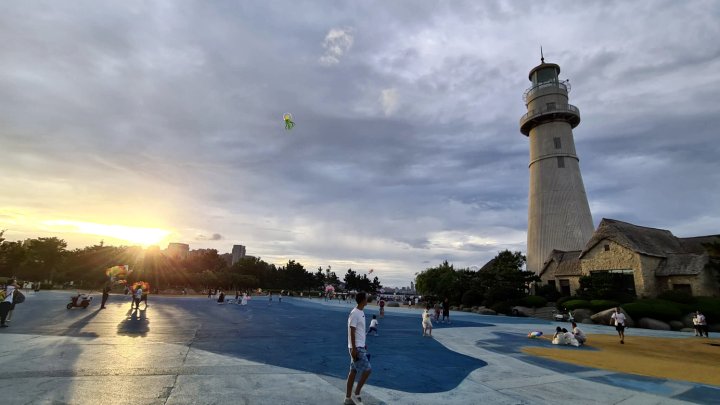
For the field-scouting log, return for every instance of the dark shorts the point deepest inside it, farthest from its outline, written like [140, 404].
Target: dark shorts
[362, 363]
[620, 328]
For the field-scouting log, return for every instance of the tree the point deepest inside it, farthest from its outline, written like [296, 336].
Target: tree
[44, 257]
[440, 281]
[504, 279]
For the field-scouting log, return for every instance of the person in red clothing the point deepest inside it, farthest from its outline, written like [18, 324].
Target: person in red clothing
[381, 303]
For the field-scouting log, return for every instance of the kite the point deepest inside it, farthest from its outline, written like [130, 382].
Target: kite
[535, 334]
[141, 284]
[289, 124]
[118, 272]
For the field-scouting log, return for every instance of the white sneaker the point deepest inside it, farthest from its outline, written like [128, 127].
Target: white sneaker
[348, 401]
[357, 400]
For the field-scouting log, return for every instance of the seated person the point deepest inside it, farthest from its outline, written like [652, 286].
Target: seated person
[559, 337]
[579, 335]
[570, 338]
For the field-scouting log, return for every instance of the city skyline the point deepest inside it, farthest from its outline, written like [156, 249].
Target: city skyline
[140, 123]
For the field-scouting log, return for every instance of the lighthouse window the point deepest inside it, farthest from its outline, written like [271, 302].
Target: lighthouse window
[557, 143]
[561, 161]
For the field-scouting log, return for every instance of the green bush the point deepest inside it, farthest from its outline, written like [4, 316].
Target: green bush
[560, 303]
[656, 309]
[709, 306]
[677, 296]
[575, 304]
[533, 301]
[601, 305]
[472, 298]
[503, 307]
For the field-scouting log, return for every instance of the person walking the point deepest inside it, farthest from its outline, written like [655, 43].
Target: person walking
[359, 357]
[446, 310]
[105, 295]
[381, 303]
[426, 322]
[702, 326]
[137, 295]
[7, 302]
[619, 319]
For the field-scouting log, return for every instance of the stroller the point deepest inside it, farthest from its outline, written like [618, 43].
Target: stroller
[80, 300]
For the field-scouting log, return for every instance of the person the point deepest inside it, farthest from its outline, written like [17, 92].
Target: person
[7, 302]
[437, 311]
[619, 319]
[381, 303]
[570, 338]
[244, 299]
[578, 334]
[221, 298]
[702, 326]
[559, 337]
[144, 298]
[426, 322]
[105, 295]
[210, 293]
[373, 326]
[281, 294]
[136, 298]
[269, 297]
[446, 310]
[359, 357]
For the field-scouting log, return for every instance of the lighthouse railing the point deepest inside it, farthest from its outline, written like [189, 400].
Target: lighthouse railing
[563, 84]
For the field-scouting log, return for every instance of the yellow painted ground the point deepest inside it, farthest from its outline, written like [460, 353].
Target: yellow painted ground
[688, 359]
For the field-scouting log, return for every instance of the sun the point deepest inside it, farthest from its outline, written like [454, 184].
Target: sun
[142, 236]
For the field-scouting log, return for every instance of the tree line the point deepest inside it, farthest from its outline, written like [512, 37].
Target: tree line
[47, 259]
[500, 283]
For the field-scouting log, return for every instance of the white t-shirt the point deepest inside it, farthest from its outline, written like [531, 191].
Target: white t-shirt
[357, 320]
[619, 318]
[701, 319]
[9, 290]
[374, 323]
[578, 333]
[138, 293]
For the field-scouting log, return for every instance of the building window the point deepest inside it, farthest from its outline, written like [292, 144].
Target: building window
[607, 248]
[557, 143]
[561, 161]
[550, 106]
[686, 288]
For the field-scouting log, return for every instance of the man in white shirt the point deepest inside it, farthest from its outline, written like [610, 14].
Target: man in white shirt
[619, 319]
[702, 326]
[359, 358]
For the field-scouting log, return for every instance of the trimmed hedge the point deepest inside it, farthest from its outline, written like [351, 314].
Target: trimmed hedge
[534, 301]
[601, 305]
[503, 307]
[655, 308]
[576, 304]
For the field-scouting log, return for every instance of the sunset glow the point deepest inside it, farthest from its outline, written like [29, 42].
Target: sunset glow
[143, 236]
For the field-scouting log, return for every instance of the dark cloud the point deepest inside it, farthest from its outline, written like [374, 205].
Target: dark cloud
[406, 150]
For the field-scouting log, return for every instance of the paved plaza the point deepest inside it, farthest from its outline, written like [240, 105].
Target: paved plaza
[191, 350]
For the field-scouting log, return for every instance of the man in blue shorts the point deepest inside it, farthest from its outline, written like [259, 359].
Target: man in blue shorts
[359, 357]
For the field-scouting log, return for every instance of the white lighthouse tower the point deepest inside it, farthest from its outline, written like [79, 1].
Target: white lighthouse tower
[558, 213]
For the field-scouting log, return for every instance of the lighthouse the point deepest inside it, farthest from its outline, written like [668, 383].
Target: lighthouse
[558, 211]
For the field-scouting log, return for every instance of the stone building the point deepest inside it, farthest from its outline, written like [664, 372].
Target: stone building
[652, 261]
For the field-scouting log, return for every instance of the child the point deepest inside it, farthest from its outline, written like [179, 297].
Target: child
[373, 326]
[426, 323]
[579, 335]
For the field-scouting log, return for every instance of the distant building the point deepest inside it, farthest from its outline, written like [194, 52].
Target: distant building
[238, 252]
[177, 250]
[649, 260]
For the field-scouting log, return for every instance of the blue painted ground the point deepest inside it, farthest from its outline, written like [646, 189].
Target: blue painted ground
[312, 338]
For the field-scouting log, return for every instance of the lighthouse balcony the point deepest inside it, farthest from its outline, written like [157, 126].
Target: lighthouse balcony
[551, 112]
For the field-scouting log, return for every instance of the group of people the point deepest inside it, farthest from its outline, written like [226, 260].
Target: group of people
[563, 337]
[700, 324]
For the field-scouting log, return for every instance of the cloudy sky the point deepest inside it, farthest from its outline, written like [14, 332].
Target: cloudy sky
[150, 122]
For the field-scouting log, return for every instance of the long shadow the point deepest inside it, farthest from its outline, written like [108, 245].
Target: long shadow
[135, 324]
[75, 328]
[315, 340]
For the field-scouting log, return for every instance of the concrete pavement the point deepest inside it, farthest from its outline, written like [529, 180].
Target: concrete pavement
[190, 350]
